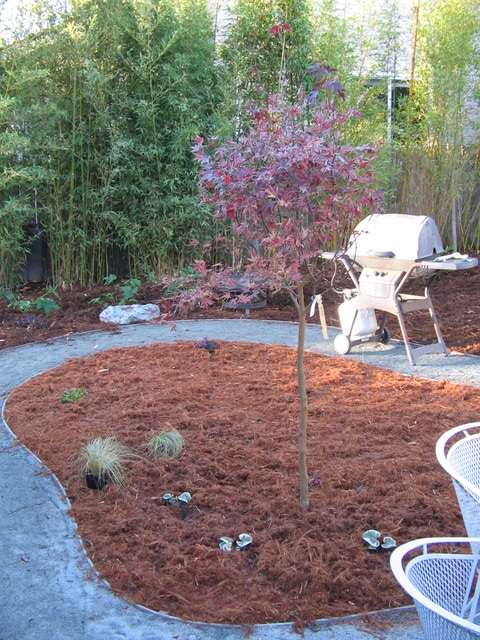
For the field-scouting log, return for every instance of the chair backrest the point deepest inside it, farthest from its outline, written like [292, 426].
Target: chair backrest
[458, 452]
[443, 584]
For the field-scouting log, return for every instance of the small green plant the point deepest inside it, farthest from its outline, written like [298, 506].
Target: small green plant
[19, 305]
[24, 306]
[47, 305]
[72, 395]
[108, 298]
[165, 444]
[110, 279]
[44, 303]
[105, 459]
[129, 289]
[105, 301]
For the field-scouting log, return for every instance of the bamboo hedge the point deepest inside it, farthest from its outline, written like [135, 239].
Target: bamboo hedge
[99, 107]
[98, 114]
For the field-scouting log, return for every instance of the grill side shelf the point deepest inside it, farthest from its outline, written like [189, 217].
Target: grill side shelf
[449, 265]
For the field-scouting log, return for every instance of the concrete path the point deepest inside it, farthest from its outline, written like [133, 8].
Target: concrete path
[48, 590]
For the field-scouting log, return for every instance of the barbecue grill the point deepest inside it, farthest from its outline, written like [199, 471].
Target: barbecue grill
[384, 252]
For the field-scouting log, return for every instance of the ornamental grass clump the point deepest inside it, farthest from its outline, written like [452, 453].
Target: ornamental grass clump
[165, 445]
[103, 460]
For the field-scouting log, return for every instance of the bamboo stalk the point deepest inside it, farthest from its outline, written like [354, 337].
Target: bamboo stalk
[410, 101]
[71, 215]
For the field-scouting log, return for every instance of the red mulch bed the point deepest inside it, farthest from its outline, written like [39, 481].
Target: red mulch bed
[371, 459]
[371, 462]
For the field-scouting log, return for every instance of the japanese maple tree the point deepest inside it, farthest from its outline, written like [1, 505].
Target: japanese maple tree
[286, 187]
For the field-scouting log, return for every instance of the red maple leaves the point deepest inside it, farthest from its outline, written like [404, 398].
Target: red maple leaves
[278, 28]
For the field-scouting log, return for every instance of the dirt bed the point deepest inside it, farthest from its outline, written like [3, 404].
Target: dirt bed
[456, 298]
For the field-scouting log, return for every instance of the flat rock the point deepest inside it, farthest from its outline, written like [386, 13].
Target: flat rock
[130, 313]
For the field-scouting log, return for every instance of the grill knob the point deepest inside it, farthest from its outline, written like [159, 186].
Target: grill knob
[376, 273]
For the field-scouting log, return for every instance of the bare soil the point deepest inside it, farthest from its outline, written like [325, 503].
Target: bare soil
[456, 298]
[371, 461]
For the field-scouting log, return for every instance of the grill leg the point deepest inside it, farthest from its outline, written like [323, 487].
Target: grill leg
[403, 329]
[434, 317]
[406, 303]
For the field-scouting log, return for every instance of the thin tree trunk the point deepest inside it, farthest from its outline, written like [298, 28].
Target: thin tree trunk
[302, 392]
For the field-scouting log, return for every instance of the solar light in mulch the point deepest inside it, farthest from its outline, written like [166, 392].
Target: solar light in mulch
[183, 498]
[244, 540]
[372, 538]
[388, 543]
[226, 543]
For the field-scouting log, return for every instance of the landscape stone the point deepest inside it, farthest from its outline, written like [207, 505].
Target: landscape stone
[130, 313]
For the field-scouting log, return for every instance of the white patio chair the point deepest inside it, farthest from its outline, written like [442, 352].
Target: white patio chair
[444, 584]
[458, 451]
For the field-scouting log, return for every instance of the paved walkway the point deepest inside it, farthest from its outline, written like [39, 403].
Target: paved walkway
[48, 590]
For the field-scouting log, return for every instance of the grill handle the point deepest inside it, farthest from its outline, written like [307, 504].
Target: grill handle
[380, 254]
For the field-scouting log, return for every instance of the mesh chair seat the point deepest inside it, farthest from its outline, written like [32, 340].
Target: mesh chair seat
[442, 577]
[458, 451]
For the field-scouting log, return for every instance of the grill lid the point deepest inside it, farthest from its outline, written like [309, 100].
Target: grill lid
[395, 235]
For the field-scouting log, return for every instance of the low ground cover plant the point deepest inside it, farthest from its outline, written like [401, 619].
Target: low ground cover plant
[72, 395]
[165, 445]
[45, 303]
[128, 288]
